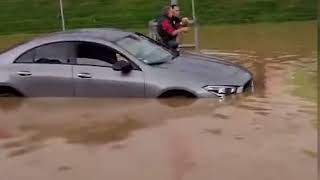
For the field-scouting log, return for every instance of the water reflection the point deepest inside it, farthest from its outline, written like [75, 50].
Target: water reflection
[86, 133]
[94, 122]
[86, 121]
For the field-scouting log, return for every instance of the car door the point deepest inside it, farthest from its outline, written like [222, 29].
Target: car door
[44, 71]
[95, 77]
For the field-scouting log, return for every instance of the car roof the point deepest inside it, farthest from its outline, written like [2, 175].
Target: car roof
[108, 34]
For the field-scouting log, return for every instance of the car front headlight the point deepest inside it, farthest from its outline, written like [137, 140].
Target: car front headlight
[221, 90]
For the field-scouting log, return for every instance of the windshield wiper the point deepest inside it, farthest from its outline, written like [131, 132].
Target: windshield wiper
[175, 54]
[157, 63]
[161, 61]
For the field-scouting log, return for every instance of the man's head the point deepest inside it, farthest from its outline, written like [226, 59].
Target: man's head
[167, 11]
[175, 10]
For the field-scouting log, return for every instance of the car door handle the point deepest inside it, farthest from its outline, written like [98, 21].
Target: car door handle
[84, 75]
[24, 73]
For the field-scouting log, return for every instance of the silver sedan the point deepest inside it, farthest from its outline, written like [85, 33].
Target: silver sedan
[113, 63]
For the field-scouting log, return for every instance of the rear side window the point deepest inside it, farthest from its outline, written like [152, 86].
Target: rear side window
[26, 57]
[54, 53]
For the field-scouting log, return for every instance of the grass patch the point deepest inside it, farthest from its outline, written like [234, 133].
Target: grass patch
[310, 153]
[35, 16]
[7, 41]
[305, 81]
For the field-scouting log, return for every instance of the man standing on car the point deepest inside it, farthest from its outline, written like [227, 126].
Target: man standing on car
[178, 21]
[167, 30]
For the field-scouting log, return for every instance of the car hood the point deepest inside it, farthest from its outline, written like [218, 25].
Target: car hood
[211, 70]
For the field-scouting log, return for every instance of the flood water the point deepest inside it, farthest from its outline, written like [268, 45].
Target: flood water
[268, 134]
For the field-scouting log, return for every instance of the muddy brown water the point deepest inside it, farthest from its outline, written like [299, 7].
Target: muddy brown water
[268, 134]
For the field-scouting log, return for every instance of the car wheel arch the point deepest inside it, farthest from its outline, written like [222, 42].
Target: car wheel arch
[177, 92]
[9, 89]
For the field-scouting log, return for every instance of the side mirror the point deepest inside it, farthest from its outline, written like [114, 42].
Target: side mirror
[123, 66]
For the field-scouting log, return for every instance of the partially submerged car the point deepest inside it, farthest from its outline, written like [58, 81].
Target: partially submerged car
[113, 63]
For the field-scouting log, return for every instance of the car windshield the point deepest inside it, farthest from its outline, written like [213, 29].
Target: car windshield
[145, 50]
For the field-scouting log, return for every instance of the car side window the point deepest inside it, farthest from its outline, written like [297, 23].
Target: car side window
[26, 57]
[96, 55]
[54, 53]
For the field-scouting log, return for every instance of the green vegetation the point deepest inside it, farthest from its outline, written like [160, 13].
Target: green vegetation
[11, 40]
[34, 16]
[305, 81]
[310, 153]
